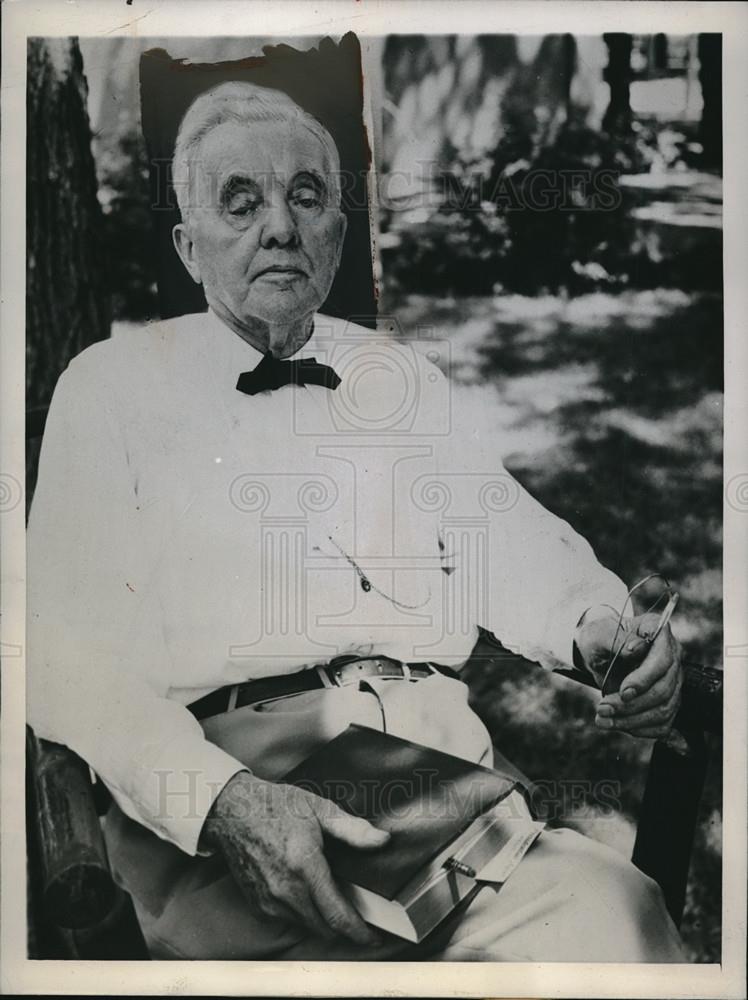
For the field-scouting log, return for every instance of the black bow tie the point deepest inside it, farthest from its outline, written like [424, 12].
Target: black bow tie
[272, 374]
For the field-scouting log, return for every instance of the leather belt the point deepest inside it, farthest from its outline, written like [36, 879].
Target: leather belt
[338, 672]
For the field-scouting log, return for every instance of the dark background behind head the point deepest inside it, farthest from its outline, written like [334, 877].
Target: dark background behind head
[325, 81]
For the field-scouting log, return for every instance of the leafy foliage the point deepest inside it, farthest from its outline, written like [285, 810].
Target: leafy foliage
[547, 216]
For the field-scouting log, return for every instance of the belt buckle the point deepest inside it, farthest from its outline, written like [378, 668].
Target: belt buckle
[336, 671]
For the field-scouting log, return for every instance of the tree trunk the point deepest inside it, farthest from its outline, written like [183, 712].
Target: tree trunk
[617, 119]
[710, 77]
[66, 298]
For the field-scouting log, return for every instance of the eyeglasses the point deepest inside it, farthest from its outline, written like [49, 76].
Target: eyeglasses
[617, 670]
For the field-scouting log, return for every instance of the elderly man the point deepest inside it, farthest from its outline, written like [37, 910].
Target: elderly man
[214, 524]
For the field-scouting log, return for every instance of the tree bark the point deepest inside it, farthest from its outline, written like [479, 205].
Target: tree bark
[710, 77]
[617, 119]
[66, 297]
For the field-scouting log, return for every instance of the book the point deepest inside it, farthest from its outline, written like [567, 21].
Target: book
[453, 825]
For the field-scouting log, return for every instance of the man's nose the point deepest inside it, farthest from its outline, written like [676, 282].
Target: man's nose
[279, 226]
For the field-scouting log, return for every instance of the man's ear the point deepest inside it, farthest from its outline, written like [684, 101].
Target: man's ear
[185, 247]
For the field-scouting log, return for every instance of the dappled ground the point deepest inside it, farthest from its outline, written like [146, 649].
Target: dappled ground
[608, 408]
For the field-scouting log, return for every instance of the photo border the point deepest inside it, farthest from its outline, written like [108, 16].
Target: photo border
[108, 18]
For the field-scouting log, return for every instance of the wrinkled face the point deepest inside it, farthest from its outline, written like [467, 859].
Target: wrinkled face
[266, 234]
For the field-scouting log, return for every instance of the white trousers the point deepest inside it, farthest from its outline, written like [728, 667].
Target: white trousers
[570, 900]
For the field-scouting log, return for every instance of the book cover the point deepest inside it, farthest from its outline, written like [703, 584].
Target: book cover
[447, 818]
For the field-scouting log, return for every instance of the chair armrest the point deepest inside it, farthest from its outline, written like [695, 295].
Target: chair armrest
[76, 882]
[701, 700]
[675, 781]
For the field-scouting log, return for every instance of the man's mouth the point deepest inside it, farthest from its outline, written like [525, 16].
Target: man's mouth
[282, 270]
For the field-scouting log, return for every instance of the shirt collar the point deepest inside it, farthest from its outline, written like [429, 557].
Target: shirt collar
[231, 355]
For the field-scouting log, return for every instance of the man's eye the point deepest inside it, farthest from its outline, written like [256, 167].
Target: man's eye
[306, 197]
[242, 203]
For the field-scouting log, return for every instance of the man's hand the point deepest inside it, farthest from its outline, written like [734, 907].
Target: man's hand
[271, 837]
[649, 696]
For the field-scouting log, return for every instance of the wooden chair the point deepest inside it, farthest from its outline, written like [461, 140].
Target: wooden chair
[669, 809]
[75, 908]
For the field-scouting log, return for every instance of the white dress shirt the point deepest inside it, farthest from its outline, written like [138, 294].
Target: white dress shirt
[184, 536]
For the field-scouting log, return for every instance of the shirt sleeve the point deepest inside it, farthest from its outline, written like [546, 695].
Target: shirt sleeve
[540, 574]
[98, 670]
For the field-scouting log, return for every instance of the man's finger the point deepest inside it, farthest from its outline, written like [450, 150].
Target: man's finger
[351, 829]
[655, 665]
[305, 911]
[652, 733]
[653, 717]
[660, 692]
[337, 912]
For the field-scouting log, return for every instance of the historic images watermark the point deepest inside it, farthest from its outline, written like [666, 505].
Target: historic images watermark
[382, 514]
[423, 795]
[518, 187]
[11, 492]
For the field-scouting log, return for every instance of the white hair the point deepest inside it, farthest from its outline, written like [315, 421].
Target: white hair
[245, 104]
